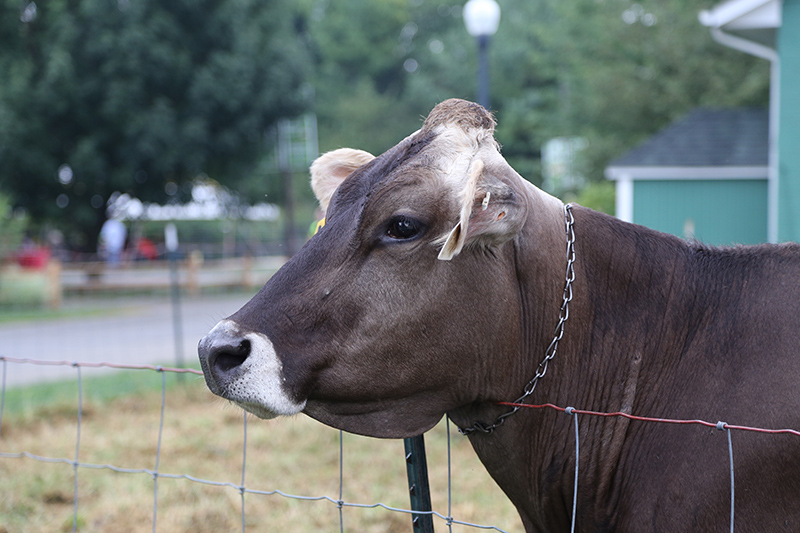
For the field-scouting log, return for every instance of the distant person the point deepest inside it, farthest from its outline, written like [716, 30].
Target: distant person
[112, 241]
[146, 249]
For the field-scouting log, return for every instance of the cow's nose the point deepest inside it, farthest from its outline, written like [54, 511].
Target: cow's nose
[224, 358]
[221, 354]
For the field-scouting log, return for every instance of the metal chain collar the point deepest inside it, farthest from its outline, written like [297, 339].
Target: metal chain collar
[550, 353]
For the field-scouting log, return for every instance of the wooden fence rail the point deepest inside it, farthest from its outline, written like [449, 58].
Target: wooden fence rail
[47, 286]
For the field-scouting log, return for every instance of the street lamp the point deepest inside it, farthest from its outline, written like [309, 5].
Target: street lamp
[482, 18]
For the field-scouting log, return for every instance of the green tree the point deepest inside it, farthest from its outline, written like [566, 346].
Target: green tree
[140, 97]
[12, 229]
[359, 76]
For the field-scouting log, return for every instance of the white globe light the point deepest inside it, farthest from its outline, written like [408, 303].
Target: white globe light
[481, 17]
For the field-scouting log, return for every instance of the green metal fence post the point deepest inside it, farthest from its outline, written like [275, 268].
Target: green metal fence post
[418, 487]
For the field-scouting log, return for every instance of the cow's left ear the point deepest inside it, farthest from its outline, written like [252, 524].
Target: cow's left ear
[331, 168]
[491, 213]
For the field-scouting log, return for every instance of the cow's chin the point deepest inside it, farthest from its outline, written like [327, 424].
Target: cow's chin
[385, 424]
[258, 410]
[268, 410]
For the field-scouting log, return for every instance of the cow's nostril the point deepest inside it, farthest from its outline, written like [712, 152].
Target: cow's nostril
[230, 357]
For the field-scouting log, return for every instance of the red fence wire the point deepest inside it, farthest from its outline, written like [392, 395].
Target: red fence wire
[717, 425]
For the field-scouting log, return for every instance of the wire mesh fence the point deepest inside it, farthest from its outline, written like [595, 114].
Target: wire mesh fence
[332, 476]
[241, 490]
[243, 487]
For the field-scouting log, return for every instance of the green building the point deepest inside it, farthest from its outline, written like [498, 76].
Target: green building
[704, 177]
[727, 176]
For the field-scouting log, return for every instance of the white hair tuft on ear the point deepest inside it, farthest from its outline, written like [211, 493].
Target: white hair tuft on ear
[455, 241]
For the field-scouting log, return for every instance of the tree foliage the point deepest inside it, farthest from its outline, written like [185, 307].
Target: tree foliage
[138, 96]
[12, 228]
[372, 102]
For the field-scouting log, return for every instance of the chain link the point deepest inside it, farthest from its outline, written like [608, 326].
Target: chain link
[550, 353]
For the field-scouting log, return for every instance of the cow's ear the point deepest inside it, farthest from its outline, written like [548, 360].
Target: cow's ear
[331, 168]
[491, 213]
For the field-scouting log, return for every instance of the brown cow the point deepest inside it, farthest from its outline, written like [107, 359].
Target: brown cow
[435, 288]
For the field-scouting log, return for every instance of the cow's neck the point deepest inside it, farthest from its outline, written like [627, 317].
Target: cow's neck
[618, 292]
[540, 278]
[552, 348]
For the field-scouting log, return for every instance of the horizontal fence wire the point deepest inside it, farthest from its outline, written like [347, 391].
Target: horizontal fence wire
[714, 425]
[156, 474]
[85, 364]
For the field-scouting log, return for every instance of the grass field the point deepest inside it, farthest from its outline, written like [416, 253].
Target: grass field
[203, 437]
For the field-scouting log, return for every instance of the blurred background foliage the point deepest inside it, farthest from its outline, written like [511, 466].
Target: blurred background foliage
[142, 97]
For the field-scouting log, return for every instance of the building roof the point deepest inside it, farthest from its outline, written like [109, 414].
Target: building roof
[705, 138]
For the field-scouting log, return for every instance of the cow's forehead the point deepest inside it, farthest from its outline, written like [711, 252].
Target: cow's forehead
[361, 183]
[453, 135]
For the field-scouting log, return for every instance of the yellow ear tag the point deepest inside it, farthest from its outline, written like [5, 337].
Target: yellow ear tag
[320, 224]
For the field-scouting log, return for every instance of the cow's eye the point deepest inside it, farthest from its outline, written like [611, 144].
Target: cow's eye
[403, 228]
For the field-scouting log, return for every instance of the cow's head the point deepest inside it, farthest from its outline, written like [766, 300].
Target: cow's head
[406, 304]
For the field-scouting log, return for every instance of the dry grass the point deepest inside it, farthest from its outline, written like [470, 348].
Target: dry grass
[203, 437]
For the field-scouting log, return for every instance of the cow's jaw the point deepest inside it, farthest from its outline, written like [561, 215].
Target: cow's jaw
[244, 368]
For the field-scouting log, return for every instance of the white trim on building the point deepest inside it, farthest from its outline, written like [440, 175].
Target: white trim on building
[743, 15]
[682, 173]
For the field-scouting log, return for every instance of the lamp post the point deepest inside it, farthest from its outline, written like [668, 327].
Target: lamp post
[482, 18]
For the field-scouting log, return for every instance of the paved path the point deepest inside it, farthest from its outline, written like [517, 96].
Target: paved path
[138, 330]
